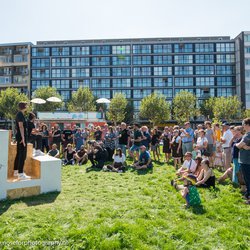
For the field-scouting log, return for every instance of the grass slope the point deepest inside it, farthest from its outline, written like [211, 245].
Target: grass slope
[133, 210]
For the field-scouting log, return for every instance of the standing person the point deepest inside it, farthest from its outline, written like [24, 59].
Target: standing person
[51, 137]
[146, 137]
[45, 138]
[136, 142]
[98, 134]
[154, 144]
[225, 140]
[187, 138]
[166, 138]
[21, 140]
[109, 142]
[158, 133]
[202, 142]
[57, 136]
[124, 137]
[244, 156]
[211, 143]
[78, 138]
[176, 148]
[217, 134]
[67, 137]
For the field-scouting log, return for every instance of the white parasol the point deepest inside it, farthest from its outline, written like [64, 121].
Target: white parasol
[38, 101]
[103, 100]
[54, 99]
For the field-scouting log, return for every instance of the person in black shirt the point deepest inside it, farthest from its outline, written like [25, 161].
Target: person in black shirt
[57, 136]
[31, 128]
[67, 137]
[21, 140]
[69, 153]
[124, 137]
[98, 134]
[136, 142]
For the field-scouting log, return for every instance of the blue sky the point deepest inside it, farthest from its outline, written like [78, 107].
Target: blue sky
[40, 20]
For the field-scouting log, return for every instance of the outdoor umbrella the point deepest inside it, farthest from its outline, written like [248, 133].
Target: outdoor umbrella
[54, 99]
[38, 101]
[103, 100]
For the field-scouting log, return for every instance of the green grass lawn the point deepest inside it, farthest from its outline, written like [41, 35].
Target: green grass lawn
[132, 210]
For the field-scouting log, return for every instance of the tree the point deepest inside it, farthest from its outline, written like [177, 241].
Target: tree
[246, 113]
[227, 108]
[117, 108]
[82, 100]
[206, 108]
[184, 106]
[130, 112]
[44, 93]
[9, 100]
[155, 108]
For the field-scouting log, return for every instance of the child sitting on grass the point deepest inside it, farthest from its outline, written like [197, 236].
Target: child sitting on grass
[190, 192]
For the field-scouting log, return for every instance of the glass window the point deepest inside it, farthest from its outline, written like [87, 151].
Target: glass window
[60, 84]
[80, 51]
[40, 51]
[162, 48]
[121, 71]
[162, 60]
[204, 70]
[101, 93]
[183, 48]
[247, 61]
[176, 91]
[126, 92]
[101, 50]
[19, 58]
[79, 61]
[205, 81]
[229, 58]
[121, 49]
[59, 73]
[205, 93]
[60, 51]
[100, 83]
[225, 92]
[38, 84]
[142, 82]
[142, 60]
[204, 47]
[40, 63]
[5, 79]
[225, 70]
[101, 72]
[141, 93]
[247, 73]
[163, 82]
[225, 81]
[247, 38]
[142, 71]
[166, 92]
[80, 72]
[65, 94]
[161, 71]
[183, 59]
[247, 50]
[76, 84]
[204, 59]
[60, 62]
[225, 47]
[247, 98]
[100, 61]
[121, 83]
[40, 73]
[183, 81]
[121, 60]
[142, 49]
[136, 105]
[184, 70]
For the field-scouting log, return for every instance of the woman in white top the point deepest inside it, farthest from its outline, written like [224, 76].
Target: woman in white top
[118, 164]
[202, 142]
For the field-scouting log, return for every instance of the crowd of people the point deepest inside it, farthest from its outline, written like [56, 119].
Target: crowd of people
[196, 152]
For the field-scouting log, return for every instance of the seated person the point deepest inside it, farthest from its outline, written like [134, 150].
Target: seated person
[206, 177]
[69, 155]
[196, 152]
[96, 154]
[118, 164]
[188, 166]
[81, 156]
[54, 152]
[144, 159]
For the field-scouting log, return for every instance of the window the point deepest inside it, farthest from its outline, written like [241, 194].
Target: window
[166, 92]
[121, 71]
[229, 58]
[142, 71]
[136, 105]
[20, 58]
[121, 83]
[247, 73]
[201, 59]
[204, 93]
[225, 92]
[205, 81]
[102, 93]
[65, 94]
[162, 60]
[225, 81]
[142, 49]
[142, 82]
[183, 48]
[204, 47]
[60, 62]
[60, 51]
[127, 93]
[80, 83]
[40, 51]
[40, 63]
[60, 84]
[40, 73]
[122, 49]
[176, 91]
[80, 51]
[101, 72]
[163, 82]
[80, 72]
[100, 61]
[162, 71]
[121, 60]
[142, 60]
[247, 38]
[183, 81]
[141, 93]
[5, 79]
[247, 61]
[225, 70]
[100, 83]
[101, 50]
[225, 47]
[184, 70]
[79, 61]
[57, 73]
[38, 84]
[162, 48]
[204, 70]
[247, 50]
[247, 98]
[183, 59]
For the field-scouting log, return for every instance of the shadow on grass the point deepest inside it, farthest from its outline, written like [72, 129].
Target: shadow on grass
[198, 210]
[29, 201]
